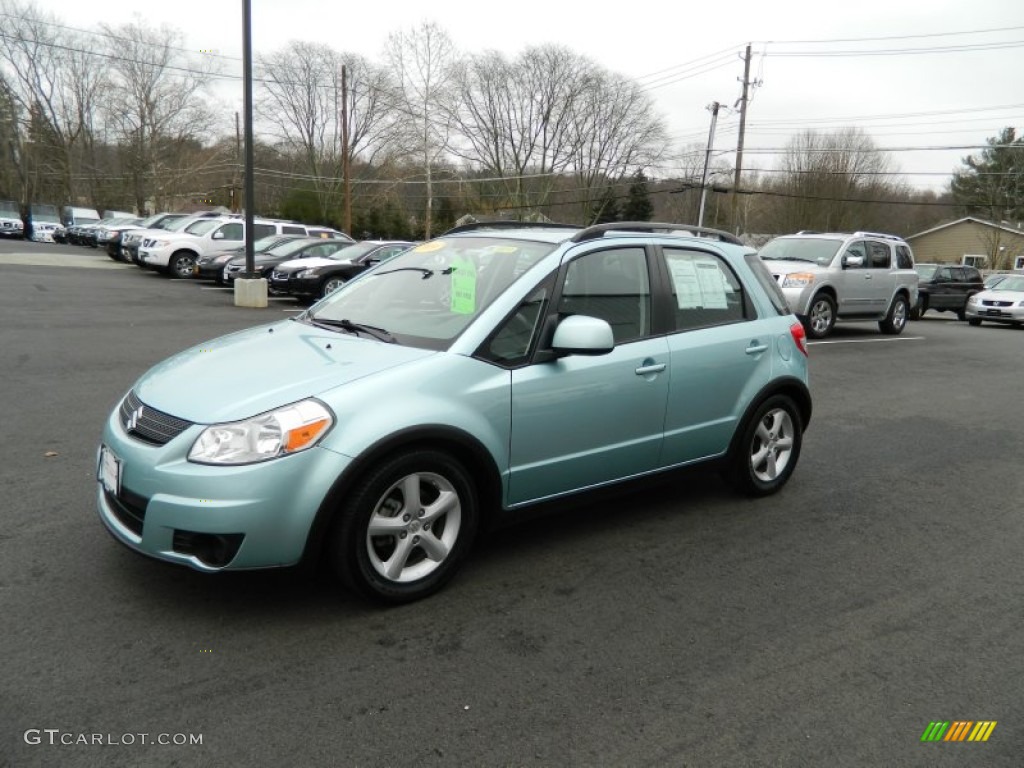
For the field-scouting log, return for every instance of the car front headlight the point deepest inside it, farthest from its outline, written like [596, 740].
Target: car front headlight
[972, 299]
[309, 272]
[798, 279]
[281, 432]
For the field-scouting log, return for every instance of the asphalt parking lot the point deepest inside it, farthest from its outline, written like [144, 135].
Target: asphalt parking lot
[676, 624]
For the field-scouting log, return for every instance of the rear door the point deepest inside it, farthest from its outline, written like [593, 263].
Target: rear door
[720, 354]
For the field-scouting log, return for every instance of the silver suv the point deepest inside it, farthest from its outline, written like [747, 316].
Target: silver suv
[827, 276]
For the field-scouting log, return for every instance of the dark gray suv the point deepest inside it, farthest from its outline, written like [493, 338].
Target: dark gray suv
[946, 288]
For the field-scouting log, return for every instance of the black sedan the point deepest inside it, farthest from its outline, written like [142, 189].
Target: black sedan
[299, 248]
[316, 280]
[211, 266]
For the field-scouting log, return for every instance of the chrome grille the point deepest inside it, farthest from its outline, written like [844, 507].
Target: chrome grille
[148, 424]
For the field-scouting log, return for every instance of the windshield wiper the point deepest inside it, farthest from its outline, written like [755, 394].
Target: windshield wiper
[347, 325]
[423, 270]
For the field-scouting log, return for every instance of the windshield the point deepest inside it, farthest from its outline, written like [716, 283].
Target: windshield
[202, 226]
[292, 246]
[353, 252]
[1009, 284]
[813, 250]
[427, 296]
[178, 225]
[926, 271]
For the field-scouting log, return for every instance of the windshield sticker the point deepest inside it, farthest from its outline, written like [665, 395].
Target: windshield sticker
[503, 249]
[463, 287]
[433, 245]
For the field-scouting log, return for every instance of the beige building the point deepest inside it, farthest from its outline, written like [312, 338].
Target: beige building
[971, 241]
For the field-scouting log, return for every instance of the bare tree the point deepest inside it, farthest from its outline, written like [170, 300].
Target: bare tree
[301, 100]
[425, 64]
[616, 132]
[826, 176]
[155, 106]
[52, 88]
[515, 118]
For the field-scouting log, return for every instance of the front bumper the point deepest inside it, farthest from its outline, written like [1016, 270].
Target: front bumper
[212, 518]
[155, 257]
[996, 314]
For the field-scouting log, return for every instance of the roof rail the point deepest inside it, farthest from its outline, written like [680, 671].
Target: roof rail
[876, 234]
[599, 230]
[809, 232]
[507, 224]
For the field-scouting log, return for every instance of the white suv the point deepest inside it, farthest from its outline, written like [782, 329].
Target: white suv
[177, 252]
[857, 276]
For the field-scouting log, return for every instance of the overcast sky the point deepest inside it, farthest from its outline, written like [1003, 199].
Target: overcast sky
[946, 73]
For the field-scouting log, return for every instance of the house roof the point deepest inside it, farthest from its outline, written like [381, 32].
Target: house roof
[975, 219]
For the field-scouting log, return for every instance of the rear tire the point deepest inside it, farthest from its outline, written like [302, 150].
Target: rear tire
[406, 527]
[974, 321]
[896, 320]
[768, 448]
[330, 285]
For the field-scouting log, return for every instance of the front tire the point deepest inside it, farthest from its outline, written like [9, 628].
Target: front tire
[181, 265]
[330, 285]
[821, 316]
[406, 527]
[896, 319]
[769, 448]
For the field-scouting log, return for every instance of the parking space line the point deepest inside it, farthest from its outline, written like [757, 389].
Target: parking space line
[866, 341]
[214, 288]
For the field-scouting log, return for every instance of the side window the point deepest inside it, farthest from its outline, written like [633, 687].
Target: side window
[231, 231]
[972, 275]
[614, 286]
[903, 258]
[510, 344]
[880, 257]
[957, 274]
[287, 229]
[705, 292]
[858, 248]
[945, 274]
[764, 277]
[262, 230]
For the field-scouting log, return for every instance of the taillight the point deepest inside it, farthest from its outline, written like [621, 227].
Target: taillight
[796, 330]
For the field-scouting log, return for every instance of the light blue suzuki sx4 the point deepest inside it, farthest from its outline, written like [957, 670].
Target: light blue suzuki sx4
[486, 370]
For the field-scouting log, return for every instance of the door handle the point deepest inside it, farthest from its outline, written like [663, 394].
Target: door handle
[756, 348]
[647, 368]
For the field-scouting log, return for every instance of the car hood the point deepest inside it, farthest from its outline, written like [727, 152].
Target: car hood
[1011, 296]
[780, 267]
[253, 371]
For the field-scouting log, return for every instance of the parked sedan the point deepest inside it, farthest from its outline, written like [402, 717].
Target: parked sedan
[1003, 303]
[211, 266]
[300, 248]
[315, 279]
[123, 243]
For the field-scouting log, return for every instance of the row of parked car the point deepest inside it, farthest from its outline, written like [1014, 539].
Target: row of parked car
[300, 260]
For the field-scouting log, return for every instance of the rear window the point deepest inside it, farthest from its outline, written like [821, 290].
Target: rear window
[764, 277]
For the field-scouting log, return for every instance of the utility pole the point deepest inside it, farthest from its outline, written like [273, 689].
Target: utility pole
[739, 144]
[235, 207]
[714, 106]
[345, 169]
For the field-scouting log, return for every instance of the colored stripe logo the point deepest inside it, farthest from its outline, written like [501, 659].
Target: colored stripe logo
[958, 730]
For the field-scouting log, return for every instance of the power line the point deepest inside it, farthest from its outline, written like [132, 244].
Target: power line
[892, 37]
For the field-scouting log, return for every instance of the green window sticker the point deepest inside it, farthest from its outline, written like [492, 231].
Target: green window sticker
[463, 287]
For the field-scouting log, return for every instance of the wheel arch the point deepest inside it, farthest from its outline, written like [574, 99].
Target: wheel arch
[462, 446]
[826, 288]
[789, 386]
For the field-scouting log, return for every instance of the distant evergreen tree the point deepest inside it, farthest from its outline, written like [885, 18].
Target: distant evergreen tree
[638, 206]
[991, 185]
[605, 209]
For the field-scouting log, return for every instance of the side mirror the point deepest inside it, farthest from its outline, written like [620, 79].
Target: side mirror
[218, 236]
[583, 335]
[853, 261]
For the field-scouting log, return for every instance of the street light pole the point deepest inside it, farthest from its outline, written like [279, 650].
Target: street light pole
[250, 289]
